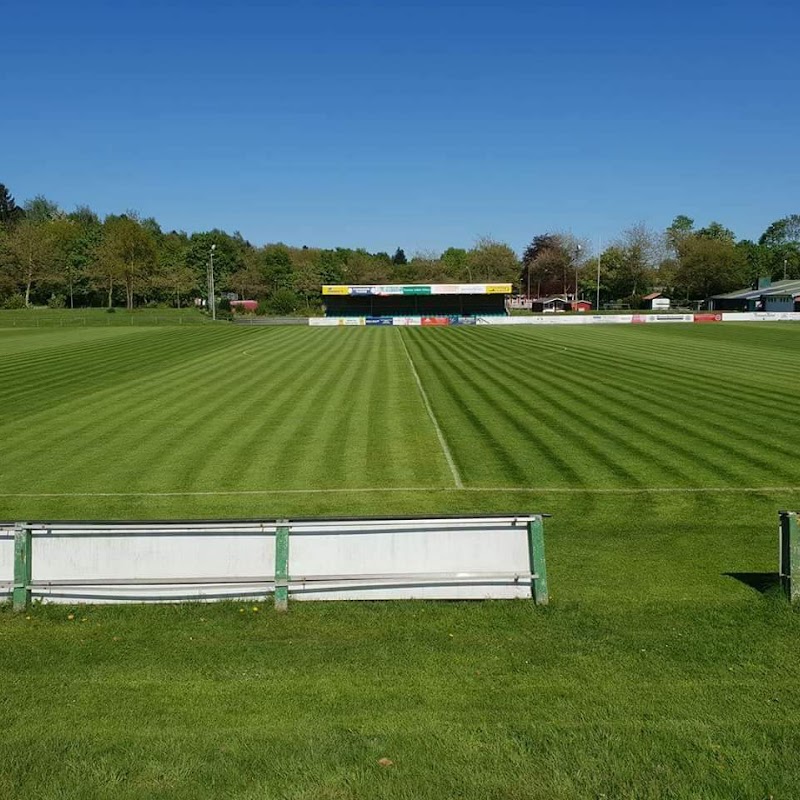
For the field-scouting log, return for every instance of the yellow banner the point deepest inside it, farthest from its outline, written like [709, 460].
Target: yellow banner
[335, 290]
[498, 288]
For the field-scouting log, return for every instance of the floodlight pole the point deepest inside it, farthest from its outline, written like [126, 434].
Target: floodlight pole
[577, 256]
[597, 287]
[211, 300]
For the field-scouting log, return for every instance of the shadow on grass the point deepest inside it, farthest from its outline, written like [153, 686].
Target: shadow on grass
[762, 582]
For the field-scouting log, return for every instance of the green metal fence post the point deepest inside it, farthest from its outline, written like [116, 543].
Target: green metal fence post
[537, 561]
[282, 566]
[790, 555]
[21, 595]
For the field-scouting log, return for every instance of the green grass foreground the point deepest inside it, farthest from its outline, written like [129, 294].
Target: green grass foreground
[665, 667]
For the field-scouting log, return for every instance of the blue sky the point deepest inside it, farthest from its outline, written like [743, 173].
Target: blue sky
[421, 125]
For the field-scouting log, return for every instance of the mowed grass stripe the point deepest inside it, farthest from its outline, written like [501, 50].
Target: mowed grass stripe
[594, 404]
[708, 402]
[217, 413]
[72, 373]
[269, 414]
[132, 420]
[93, 420]
[109, 427]
[683, 437]
[772, 389]
[538, 409]
[674, 360]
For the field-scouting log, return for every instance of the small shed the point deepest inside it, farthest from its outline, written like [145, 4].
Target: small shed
[656, 301]
[551, 305]
[581, 305]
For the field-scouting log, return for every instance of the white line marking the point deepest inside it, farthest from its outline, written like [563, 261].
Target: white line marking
[430, 489]
[439, 435]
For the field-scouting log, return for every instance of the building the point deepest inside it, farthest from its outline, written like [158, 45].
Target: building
[768, 296]
[656, 301]
[429, 300]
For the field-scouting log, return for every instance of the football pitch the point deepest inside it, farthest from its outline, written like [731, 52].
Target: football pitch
[666, 665]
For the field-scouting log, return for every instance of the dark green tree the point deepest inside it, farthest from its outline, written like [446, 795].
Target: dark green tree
[399, 257]
[10, 212]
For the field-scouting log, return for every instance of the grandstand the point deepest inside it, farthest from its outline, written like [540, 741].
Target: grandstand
[432, 300]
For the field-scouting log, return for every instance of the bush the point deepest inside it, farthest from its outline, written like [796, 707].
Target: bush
[283, 301]
[111, 310]
[14, 301]
[56, 301]
[224, 304]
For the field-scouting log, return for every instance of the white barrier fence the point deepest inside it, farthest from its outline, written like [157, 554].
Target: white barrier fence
[465, 558]
[565, 319]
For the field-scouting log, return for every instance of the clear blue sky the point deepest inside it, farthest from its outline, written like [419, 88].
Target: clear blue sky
[422, 125]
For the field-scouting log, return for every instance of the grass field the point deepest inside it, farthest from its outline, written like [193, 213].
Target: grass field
[663, 453]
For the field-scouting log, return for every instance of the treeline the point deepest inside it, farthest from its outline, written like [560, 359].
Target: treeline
[72, 259]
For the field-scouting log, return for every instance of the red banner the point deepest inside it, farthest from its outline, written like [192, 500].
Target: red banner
[435, 321]
[708, 317]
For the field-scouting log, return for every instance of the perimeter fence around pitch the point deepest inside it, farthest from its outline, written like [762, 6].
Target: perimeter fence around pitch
[458, 558]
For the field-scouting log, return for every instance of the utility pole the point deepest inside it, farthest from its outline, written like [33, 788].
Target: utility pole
[597, 297]
[211, 301]
[577, 256]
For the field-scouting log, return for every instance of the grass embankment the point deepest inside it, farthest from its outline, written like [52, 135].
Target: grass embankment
[654, 673]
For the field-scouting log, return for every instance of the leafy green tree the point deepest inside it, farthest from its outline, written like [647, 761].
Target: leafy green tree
[709, 266]
[10, 212]
[276, 264]
[781, 241]
[399, 257]
[284, 301]
[65, 234]
[126, 255]
[173, 276]
[715, 230]
[33, 252]
[493, 261]
[455, 262]
[40, 210]
[681, 227]
[545, 263]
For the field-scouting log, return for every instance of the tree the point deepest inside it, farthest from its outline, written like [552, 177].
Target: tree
[493, 261]
[31, 246]
[276, 264]
[545, 263]
[681, 227]
[172, 275]
[716, 230]
[126, 254]
[781, 241]
[40, 209]
[709, 266]
[66, 234]
[399, 257]
[10, 212]
[455, 262]
[228, 257]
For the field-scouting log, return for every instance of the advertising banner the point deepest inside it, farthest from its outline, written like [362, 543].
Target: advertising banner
[710, 317]
[435, 321]
[379, 321]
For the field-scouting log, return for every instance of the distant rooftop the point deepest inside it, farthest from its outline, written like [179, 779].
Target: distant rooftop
[789, 287]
